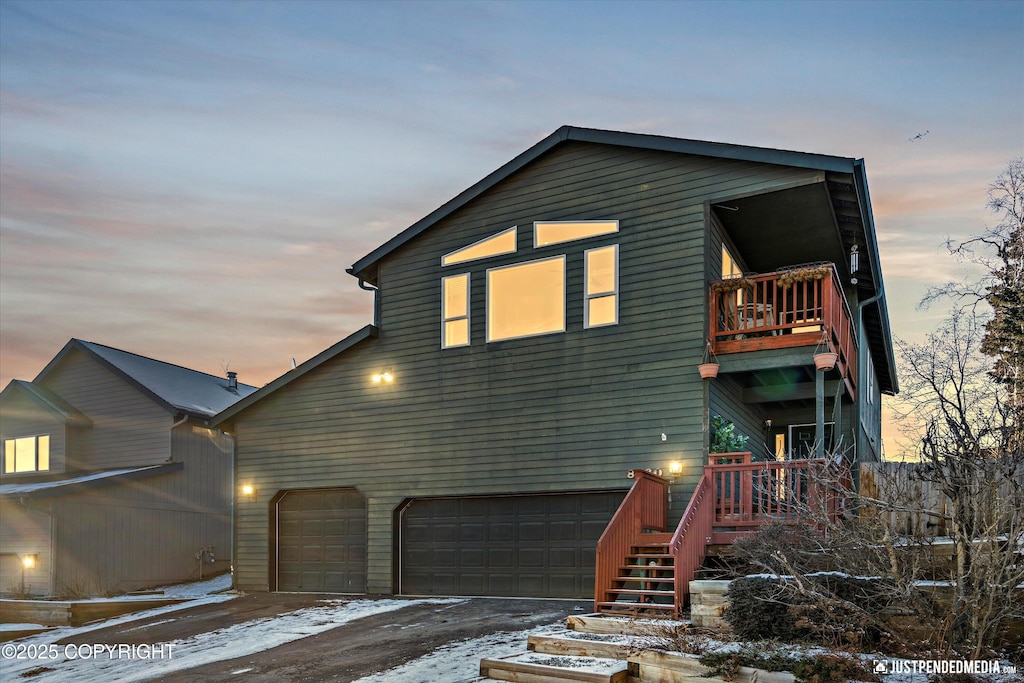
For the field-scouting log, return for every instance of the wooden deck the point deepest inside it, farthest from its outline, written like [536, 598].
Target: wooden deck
[779, 311]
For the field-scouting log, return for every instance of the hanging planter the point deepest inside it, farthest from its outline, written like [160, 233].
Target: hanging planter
[825, 361]
[804, 274]
[824, 357]
[709, 366]
[731, 285]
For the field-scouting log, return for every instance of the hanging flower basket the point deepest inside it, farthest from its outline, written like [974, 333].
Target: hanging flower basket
[825, 361]
[708, 367]
[708, 370]
[805, 274]
[731, 285]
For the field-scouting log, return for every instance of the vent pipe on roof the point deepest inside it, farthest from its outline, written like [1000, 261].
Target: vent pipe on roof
[232, 379]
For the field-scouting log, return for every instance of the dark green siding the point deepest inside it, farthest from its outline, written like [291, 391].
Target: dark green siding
[556, 413]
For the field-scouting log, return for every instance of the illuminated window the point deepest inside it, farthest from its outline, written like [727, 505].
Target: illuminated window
[502, 243]
[526, 299]
[455, 313]
[27, 454]
[730, 266]
[556, 232]
[601, 298]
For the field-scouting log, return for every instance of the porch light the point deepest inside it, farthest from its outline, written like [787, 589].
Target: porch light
[29, 561]
[386, 377]
[675, 468]
[248, 491]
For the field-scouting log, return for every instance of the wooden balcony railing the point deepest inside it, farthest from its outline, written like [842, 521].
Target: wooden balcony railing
[786, 309]
[644, 507]
[735, 495]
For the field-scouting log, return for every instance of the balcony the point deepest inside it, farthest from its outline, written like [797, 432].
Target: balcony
[786, 309]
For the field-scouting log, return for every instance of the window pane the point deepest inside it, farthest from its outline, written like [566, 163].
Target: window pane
[602, 311]
[526, 300]
[502, 243]
[730, 268]
[456, 290]
[556, 232]
[456, 333]
[44, 453]
[601, 271]
[25, 454]
[8, 456]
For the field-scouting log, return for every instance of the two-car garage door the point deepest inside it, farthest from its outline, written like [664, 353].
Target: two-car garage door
[523, 546]
[513, 546]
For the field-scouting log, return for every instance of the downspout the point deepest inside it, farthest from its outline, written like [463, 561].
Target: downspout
[376, 298]
[861, 350]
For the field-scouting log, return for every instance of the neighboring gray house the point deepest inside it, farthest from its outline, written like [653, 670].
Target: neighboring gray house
[110, 479]
[537, 338]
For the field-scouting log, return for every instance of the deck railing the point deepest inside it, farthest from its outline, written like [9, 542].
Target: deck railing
[735, 495]
[644, 507]
[785, 309]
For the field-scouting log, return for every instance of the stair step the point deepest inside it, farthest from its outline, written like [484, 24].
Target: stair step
[650, 556]
[640, 591]
[660, 537]
[649, 579]
[617, 604]
[545, 668]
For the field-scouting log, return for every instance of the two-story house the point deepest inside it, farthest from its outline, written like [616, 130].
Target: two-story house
[537, 338]
[110, 479]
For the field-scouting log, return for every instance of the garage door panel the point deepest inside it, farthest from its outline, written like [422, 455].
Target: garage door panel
[321, 545]
[529, 545]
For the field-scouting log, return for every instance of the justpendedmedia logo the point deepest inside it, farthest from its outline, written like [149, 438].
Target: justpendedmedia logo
[942, 666]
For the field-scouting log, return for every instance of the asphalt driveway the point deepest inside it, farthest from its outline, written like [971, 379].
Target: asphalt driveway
[348, 652]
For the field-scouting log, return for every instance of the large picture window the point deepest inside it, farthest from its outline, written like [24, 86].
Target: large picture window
[27, 454]
[601, 297]
[526, 299]
[455, 316]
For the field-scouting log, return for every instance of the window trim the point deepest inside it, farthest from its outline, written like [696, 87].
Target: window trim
[487, 302]
[13, 463]
[515, 245]
[588, 296]
[445, 318]
[538, 245]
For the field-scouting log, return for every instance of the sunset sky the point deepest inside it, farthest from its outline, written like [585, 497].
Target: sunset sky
[189, 180]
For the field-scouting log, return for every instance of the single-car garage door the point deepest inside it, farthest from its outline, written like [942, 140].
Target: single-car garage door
[321, 541]
[514, 546]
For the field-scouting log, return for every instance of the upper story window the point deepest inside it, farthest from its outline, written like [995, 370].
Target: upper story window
[526, 299]
[27, 454]
[730, 266]
[556, 232]
[455, 316]
[503, 242]
[601, 295]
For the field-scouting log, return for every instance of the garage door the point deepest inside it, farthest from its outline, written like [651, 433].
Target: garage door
[515, 546]
[321, 541]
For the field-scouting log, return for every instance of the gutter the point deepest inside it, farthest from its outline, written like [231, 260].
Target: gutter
[376, 296]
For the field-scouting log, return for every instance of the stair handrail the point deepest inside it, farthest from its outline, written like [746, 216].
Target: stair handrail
[644, 507]
[692, 536]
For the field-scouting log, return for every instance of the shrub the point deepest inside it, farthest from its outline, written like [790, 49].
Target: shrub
[831, 669]
[829, 608]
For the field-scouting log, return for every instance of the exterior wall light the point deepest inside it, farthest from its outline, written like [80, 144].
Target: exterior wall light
[29, 561]
[248, 491]
[386, 377]
[675, 468]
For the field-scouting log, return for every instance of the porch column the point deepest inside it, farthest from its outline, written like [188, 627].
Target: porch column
[819, 410]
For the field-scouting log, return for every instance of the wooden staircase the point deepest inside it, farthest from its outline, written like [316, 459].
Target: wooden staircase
[644, 570]
[645, 582]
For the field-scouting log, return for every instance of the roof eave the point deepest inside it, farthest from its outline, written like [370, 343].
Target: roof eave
[368, 332]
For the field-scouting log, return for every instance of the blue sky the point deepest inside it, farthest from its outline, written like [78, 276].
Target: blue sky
[189, 180]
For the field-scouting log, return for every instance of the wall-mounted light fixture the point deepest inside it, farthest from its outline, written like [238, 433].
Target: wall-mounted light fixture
[30, 560]
[768, 424]
[383, 377]
[675, 468]
[248, 492]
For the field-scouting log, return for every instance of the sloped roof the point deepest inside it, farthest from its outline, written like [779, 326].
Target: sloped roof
[50, 401]
[83, 481]
[177, 389]
[368, 332]
[877, 321]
